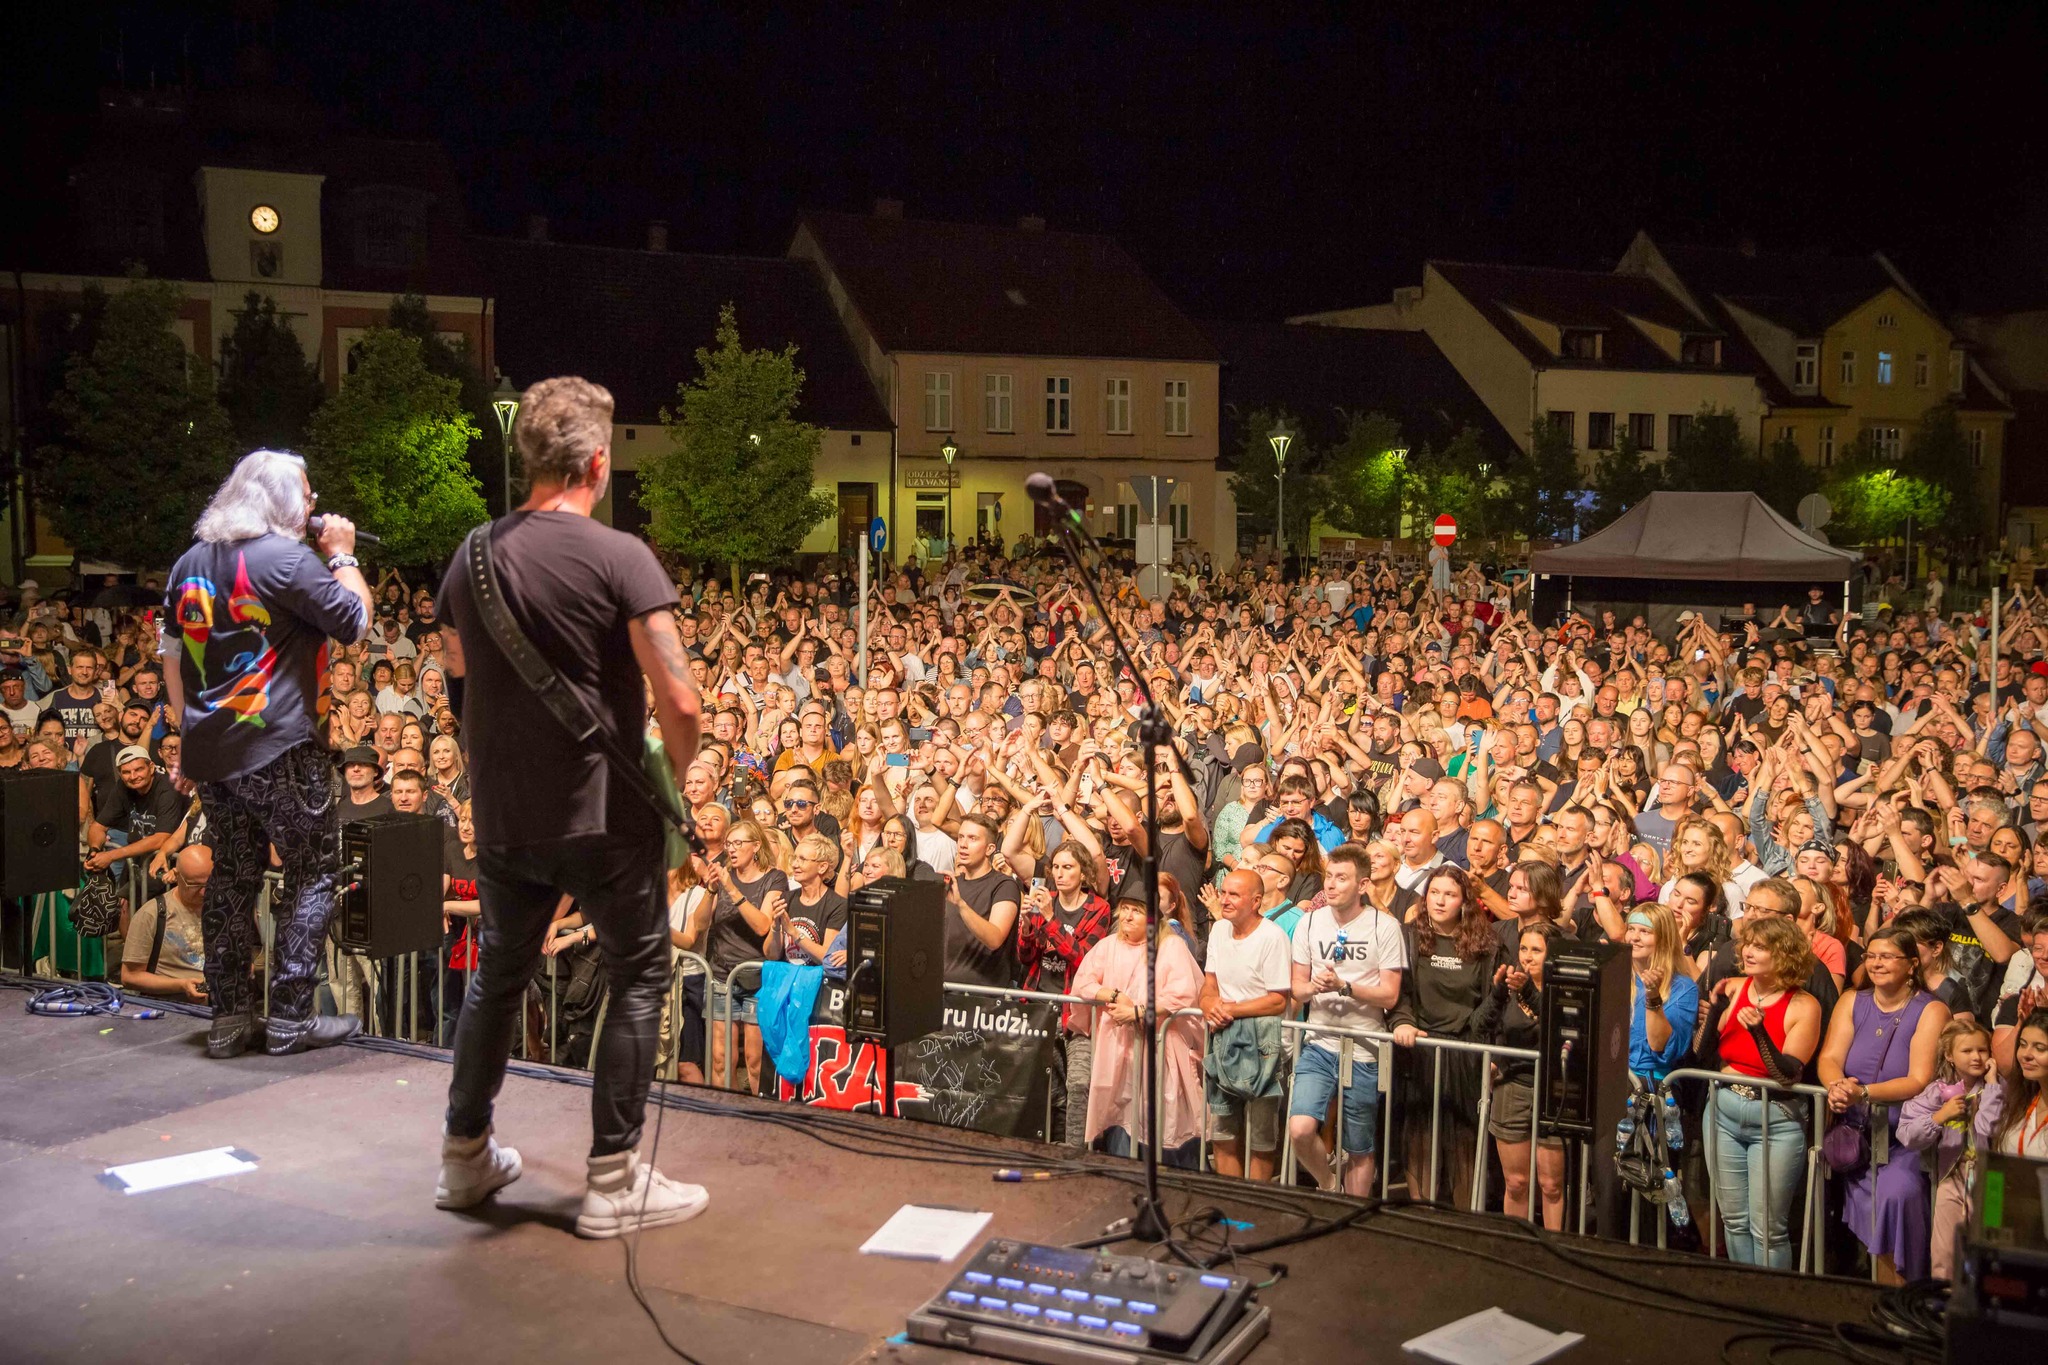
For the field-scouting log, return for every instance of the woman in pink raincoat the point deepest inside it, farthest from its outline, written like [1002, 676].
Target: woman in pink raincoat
[1113, 974]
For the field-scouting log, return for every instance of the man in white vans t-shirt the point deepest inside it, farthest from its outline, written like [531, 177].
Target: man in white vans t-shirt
[1249, 977]
[1348, 959]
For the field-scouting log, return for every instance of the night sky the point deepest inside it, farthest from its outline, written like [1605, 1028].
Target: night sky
[1259, 161]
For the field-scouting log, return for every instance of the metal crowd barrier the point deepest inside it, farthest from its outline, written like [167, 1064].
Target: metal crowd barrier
[1383, 1044]
[1813, 1215]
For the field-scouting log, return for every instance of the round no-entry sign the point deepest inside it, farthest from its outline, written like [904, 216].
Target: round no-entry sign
[1446, 529]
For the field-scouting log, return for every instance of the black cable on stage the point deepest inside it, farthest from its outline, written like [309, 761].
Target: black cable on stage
[633, 1240]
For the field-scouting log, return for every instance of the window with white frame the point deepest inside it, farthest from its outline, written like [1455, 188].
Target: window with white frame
[938, 400]
[1642, 429]
[1848, 368]
[1116, 406]
[1059, 403]
[1127, 521]
[1887, 442]
[1825, 446]
[997, 390]
[1975, 437]
[1806, 367]
[1176, 423]
[1177, 515]
[1887, 319]
[1884, 368]
[1955, 371]
[1923, 370]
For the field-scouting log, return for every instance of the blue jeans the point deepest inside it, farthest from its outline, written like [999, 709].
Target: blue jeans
[1315, 1083]
[1756, 1215]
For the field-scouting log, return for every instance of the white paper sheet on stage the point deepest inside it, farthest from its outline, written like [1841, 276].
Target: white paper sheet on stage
[1491, 1337]
[141, 1177]
[919, 1233]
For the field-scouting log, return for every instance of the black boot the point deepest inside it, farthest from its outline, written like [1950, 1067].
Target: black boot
[231, 1035]
[287, 1037]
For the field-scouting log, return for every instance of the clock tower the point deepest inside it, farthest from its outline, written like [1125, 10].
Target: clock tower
[262, 226]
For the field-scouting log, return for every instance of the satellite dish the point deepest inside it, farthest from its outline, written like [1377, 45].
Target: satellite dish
[1814, 511]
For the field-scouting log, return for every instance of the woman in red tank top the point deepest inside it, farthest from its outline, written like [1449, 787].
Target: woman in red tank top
[1768, 1027]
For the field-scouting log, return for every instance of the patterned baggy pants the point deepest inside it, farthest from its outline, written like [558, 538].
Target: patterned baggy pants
[291, 802]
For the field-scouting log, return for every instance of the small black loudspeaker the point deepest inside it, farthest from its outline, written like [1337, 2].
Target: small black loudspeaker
[39, 841]
[392, 904]
[1584, 1041]
[896, 961]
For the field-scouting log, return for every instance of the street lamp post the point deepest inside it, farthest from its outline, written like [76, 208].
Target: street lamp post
[505, 402]
[950, 452]
[1280, 438]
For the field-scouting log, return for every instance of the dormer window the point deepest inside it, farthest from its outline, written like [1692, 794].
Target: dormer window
[1806, 367]
[1580, 345]
[1700, 351]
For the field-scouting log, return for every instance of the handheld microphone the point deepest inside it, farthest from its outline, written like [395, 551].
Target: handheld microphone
[317, 524]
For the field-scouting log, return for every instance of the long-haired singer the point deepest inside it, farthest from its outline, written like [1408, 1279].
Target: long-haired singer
[248, 612]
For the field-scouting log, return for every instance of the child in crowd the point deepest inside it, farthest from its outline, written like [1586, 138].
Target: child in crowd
[1939, 1120]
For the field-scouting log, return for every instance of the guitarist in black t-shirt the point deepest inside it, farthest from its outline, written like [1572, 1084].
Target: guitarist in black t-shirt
[552, 817]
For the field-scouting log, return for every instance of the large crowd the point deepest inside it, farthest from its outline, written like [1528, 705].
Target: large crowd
[1817, 838]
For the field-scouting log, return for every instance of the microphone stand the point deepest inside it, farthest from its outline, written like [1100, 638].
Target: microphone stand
[1148, 1221]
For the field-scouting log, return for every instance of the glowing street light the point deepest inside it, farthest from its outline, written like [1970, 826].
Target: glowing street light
[1280, 438]
[505, 402]
[949, 452]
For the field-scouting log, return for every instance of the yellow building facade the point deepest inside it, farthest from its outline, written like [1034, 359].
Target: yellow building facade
[1877, 371]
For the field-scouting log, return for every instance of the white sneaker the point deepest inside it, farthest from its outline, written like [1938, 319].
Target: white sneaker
[472, 1169]
[624, 1194]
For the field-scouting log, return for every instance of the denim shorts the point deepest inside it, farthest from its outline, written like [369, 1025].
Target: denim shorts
[1315, 1082]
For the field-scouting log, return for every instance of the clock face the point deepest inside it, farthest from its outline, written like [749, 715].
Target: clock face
[263, 218]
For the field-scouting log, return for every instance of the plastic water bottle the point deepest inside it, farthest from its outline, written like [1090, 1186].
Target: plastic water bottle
[1674, 1195]
[1674, 1125]
[1626, 1129]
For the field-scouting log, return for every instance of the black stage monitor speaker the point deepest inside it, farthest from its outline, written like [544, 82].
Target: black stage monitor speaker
[1584, 1040]
[39, 843]
[391, 905]
[896, 961]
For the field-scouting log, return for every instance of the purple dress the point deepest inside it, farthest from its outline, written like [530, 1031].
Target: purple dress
[1882, 1050]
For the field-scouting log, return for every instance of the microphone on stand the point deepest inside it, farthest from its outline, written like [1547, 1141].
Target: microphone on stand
[317, 524]
[1046, 493]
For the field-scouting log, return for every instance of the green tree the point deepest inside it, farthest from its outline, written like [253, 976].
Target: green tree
[454, 360]
[1453, 479]
[141, 440]
[1711, 456]
[1872, 500]
[1938, 454]
[1363, 478]
[267, 385]
[388, 451]
[1784, 478]
[1621, 479]
[1255, 486]
[1547, 486]
[736, 480]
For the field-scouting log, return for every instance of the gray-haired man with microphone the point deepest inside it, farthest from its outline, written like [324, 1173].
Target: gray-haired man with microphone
[248, 612]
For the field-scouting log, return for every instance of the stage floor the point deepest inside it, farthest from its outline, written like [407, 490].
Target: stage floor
[332, 1249]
